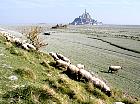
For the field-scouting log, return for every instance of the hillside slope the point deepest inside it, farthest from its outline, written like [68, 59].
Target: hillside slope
[30, 77]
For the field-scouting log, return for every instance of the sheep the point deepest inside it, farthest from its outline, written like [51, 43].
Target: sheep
[73, 71]
[102, 85]
[17, 41]
[24, 45]
[8, 38]
[28, 46]
[84, 74]
[31, 46]
[60, 56]
[80, 66]
[105, 88]
[61, 63]
[54, 55]
[96, 81]
[114, 68]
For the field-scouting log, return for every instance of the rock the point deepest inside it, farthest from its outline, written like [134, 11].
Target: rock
[13, 78]
[47, 33]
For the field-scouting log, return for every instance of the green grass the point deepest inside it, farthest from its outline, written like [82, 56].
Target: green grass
[40, 82]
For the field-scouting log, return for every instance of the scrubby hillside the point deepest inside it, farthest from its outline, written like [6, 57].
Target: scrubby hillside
[30, 77]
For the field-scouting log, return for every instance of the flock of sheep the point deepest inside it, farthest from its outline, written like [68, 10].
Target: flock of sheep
[19, 42]
[78, 72]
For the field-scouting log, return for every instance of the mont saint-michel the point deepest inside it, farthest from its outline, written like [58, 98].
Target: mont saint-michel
[85, 19]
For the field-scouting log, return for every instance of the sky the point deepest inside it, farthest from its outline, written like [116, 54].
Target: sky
[125, 12]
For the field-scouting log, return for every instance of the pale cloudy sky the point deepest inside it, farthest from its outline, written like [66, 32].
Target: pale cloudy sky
[64, 11]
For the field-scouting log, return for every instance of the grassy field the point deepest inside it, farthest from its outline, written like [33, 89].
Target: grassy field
[41, 82]
[28, 78]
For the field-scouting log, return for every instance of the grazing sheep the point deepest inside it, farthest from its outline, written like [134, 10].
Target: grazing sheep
[78, 72]
[54, 55]
[114, 68]
[61, 63]
[60, 56]
[24, 45]
[73, 71]
[30, 46]
[17, 41]
[8, 38]
[102, 85]
[84, 74]
[80, 66]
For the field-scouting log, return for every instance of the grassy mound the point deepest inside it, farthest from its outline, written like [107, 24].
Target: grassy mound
[32, 78]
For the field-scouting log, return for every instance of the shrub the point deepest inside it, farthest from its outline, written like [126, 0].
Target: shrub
[32, 35]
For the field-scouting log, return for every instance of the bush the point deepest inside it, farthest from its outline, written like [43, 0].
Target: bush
[32, 35]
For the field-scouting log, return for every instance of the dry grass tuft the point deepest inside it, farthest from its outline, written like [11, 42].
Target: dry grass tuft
[8, 44]
[49, 90]
[32, 35]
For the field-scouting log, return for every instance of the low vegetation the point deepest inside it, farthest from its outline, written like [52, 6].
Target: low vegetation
[33, 35]
[37, 80]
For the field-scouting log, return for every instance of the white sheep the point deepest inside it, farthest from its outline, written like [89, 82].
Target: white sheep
[60, 56]
[24, 45]
[73, 68]
[31, 46]
[85, 74]
[102, 85]
[8, 38]
[73, 71]
[54, 55]
[17, 40]
[114, 68]
[80, 66]
[61, 63]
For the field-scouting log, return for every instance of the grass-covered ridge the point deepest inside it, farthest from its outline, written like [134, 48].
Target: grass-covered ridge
[40, 82]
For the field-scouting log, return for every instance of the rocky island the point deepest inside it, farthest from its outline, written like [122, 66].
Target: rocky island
[85, 19]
